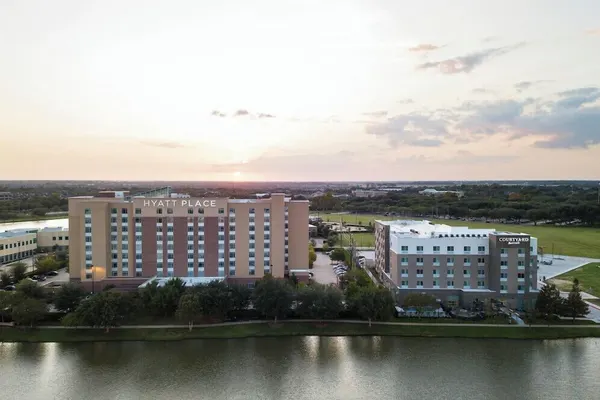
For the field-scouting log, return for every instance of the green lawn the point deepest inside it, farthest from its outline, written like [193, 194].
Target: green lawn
[588, 275]
[294, 329]
[569, 241]
[362, 239]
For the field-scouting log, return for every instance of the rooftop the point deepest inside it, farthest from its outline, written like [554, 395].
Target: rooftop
[427, 229]
[53, 229]
[16, 232]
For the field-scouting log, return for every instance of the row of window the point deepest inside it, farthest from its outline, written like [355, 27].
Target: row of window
[466, 249]
[60, 237]
[449, 260]
[18, 244]
[449, 271]
[15, 256]
[449, 284]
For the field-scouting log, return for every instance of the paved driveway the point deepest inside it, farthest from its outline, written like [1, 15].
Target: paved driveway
[323, 271]
[562, 265]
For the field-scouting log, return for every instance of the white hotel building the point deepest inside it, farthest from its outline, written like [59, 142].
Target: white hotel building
[457, 264]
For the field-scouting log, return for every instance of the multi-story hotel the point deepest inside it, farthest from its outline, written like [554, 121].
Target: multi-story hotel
[125, 241]
[457, 264]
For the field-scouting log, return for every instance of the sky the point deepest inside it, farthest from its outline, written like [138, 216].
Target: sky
[299, 90]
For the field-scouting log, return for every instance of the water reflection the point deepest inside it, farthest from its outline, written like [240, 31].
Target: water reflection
[303, 368]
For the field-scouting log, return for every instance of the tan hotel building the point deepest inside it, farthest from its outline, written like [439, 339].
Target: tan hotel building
[125, 241]
[457, 264]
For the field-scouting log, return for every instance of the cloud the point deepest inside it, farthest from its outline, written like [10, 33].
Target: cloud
[569, 121]
[467, 63]
[263, 115]
[217, 113]
[411, 129]
[524, 85]
[241, 113]
[423, 47]
[482, 91]
[164, 145]
[376, 114]
[593, 31]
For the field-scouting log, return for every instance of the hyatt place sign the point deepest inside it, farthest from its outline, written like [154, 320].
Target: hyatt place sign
[181, 203]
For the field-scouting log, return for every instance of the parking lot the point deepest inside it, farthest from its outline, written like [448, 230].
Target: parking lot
[323, 271]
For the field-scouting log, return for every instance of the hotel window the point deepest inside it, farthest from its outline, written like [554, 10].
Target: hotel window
[232, 272]
[436, 248]
[251, 211]
[88, 211]
[113, 246]
[480, 284]
[450, 248]
[169, 256]
[113, 210]
[450, 284]
[123, 211]
[521, 276]
[419, 272]
[190, 247]
[481, 260]
[267, 236]
[467, 261]
[520, 288]
[419, 260]
[138, 211]
[420, 248]
[503, 288]
[200, 210]
[503, 275]
[404, 260]
[124, 228]
[450, 260]
[190, 210]
[251, 263]
[125, 246]
[232, 219]
[251, 272]
[419, 283]
[170, 238]
[404, 271]
[267, 228]
[251, 220]
[434, 272]
[521, 251]
[88, 229]
[232, 211]
[435, 283]
[124, 220]
[200, 265]
[252, 245]
[112, 219]
[503, 251]
[159, 220]
[504, 263]
[169, 229]
[221, 211]
[231, 254]
[481, 272]
[190, 229]
[159, 210]
[404, 283]
[266, 245]
[435, 260]
[232, 236]
[251, 254]
[467, 248]
[481, 248]
[267, 210]
[450, 272]
[466, 284]
[252, 228]
[404, 248]
[266, 264]
[521, 263]
[466, 272]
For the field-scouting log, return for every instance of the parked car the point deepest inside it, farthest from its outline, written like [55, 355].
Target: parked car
[10, 288]
[51, 273]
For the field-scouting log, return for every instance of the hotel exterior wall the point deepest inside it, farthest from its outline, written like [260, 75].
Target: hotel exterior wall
[382, 247]
[298, 235]
[228, 218]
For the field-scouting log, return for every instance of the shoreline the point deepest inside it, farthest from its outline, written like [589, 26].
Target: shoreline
[254, 329]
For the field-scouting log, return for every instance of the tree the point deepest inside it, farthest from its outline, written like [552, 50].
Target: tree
[162, 301]
[18, 271]
[26, 310]
[31, 289]
[338, 254]
[46, 264]
[240, 296]
[214, 299]
[548, 301]
[319, 302]
[574, 306]
[68, 297]
[105, 309]
[5, 279]
[373, 303]
[312, 255]
[332, 238]
[273, 297]
[5, 303]
[188, 309]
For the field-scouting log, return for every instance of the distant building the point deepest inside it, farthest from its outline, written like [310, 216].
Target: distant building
[457, 264]
[6, 196]
[48, 238]
[435, 192]
[369, 193]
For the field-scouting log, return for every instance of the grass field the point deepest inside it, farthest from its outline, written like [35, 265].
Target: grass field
[569, 241]
[294, 329]
[589, 278]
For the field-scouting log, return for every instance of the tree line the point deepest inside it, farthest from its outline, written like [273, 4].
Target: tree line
[212, 302]
[558, 204]
[550, 305]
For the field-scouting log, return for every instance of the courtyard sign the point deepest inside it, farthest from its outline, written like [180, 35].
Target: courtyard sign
[514, 240]
[180, 202]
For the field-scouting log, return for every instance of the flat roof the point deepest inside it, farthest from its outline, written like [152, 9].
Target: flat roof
[15, 233]
[188, 281]
[53, 229]
[428, 229]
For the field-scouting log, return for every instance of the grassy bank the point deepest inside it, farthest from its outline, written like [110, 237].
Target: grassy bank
[569, 241]
[294, 329]
[588, 276]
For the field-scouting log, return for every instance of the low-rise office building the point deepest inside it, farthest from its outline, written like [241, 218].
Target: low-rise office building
[53, 237]
[127, 240]
[17, 244]
[457, 264]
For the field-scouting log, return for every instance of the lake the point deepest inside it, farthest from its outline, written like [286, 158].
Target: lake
[61, 222]
[303, 368]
